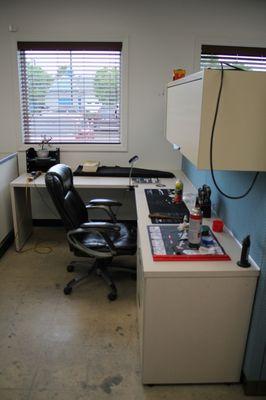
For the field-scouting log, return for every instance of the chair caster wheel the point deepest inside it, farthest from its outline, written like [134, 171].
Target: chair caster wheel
[67, 290]
[112, 296]
[70, 268]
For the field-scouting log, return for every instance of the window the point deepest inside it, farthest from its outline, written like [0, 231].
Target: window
[70, 92]
[248, 58]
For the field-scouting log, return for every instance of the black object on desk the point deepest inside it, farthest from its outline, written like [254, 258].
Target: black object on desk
[145, 180]
[162, 209]
[41, 164]
[204, 200]
[124, 172]
[243, 262]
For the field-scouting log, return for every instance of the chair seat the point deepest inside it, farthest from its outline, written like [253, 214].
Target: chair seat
[124, 240]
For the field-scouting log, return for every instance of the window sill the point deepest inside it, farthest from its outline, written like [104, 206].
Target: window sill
[80, 147]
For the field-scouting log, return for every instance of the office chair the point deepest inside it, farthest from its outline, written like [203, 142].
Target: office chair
[100, 241]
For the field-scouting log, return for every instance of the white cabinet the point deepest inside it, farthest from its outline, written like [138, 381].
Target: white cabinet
[240, 132]
[194, 329]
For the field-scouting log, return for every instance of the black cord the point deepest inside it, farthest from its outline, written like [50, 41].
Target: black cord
[211, 148]
[233, 66]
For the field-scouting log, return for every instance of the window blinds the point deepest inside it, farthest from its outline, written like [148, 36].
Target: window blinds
[70, 91]
[248, 58]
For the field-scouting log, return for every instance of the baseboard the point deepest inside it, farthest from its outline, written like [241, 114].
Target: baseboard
[47, 222]
[253, 388]
[6, 243]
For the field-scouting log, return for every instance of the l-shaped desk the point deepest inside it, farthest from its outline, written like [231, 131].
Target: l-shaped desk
[21, 201]
[194, 316]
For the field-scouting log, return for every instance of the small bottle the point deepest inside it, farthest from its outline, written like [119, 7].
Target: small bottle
[178, 192]
[194, 230]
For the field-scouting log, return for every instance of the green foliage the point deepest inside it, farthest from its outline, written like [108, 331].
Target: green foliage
[107, 85]
[61, 71]
[38, 84]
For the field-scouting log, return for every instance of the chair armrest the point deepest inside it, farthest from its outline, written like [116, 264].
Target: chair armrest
[106, 205]
[102, 228]
[104, 202]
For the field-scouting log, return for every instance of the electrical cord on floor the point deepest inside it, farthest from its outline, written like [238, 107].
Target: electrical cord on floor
[42, 247]
[211, 147]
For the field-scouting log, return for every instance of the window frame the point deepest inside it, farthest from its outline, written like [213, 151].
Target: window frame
[88, 147]
[214, 40]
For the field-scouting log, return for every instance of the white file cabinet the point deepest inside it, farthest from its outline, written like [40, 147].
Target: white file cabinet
[193, 329]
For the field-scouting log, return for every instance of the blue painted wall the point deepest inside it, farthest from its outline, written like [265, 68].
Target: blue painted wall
[243, 217]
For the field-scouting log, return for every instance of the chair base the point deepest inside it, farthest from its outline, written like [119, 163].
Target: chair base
[100, 266]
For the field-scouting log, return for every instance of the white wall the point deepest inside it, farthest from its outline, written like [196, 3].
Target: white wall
[160, 37]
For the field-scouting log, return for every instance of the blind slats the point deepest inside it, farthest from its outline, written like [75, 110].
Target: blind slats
[69, 46]
[71, 94]
[233, 50]
[247, 58]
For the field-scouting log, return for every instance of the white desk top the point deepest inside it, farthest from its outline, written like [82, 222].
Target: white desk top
[79, 182]
[186, 268]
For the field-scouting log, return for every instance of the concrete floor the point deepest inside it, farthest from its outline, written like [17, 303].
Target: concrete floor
[74, 347]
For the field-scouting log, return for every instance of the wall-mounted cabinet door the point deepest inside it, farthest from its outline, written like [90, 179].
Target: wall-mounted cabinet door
[239, 135]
